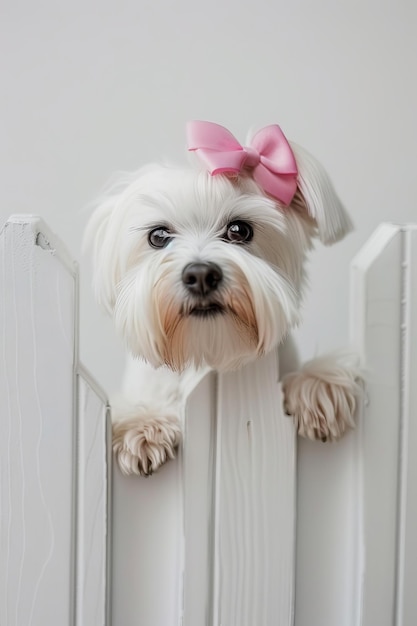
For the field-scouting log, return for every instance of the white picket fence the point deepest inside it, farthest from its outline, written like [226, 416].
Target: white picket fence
[210, 539]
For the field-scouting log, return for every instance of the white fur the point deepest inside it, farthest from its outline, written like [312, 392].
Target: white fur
[321, 397]
[261, 290]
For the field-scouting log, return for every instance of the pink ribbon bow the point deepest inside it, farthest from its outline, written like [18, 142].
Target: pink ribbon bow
[269, 157]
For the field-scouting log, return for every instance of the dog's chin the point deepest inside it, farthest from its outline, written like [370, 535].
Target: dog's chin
[210, 335]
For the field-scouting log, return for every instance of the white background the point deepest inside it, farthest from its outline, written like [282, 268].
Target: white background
[88, 88]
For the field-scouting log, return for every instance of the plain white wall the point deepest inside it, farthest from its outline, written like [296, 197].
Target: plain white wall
[93, 87]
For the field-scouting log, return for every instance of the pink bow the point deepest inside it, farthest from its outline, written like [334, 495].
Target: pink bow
[269, 157]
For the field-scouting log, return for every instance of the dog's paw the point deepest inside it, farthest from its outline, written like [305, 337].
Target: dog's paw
[321, 398]
[141, 445]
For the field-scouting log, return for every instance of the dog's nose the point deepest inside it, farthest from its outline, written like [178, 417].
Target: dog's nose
[201, 278]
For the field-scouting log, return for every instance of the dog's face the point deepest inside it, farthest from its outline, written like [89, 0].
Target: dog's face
[205, 269]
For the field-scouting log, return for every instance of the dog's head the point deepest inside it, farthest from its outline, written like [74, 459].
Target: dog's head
[208, 269]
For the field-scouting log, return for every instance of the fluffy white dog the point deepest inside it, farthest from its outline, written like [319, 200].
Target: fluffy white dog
[204, 268]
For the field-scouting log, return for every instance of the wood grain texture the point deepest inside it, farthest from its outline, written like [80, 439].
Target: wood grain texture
[254, 543]
[53, 521]
[38, 326]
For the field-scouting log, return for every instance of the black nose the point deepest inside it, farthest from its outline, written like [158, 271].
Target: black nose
[201, 278]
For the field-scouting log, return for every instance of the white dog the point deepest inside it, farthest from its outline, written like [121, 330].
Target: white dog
[204, 268]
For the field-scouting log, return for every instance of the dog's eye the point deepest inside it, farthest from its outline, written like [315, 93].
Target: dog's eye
[159, 237]
[239, 232]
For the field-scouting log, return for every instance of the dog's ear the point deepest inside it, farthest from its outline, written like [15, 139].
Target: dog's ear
[100, 240]
[317, 198]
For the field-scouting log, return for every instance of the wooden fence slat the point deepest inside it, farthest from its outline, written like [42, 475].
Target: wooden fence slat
[37, 425]
[255, 500]
[199, 483]
[384, 311]
[147, 548]
[378, 275]
[39, 568]
[93, 534]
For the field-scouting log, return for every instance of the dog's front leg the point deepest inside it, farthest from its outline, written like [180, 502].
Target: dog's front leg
[147, 415]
